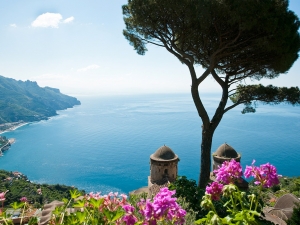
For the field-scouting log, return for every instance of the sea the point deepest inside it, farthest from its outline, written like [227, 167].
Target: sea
[105, 143]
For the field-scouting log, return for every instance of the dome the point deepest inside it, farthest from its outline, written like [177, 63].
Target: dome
[226, 151]
[164, 153]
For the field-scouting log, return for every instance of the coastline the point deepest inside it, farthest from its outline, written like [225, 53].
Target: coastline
[11, 140]
[13, 127]
[7, 128]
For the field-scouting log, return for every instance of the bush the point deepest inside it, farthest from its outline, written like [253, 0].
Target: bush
[188, 190]
[295, 219]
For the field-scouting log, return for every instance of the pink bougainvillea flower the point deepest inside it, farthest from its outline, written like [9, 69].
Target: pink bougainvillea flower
[215, 190]
[265, 175]
[129, 218]
[228, 172]
[164, 207]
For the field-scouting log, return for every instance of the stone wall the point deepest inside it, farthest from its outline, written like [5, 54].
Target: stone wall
[162, 170]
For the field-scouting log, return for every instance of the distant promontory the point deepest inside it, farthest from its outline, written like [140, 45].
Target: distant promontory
[27, 102]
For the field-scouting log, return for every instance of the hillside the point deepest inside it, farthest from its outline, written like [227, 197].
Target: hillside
[19, 186]
[28, 102]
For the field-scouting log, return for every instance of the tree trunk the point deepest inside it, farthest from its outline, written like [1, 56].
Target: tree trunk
[205, 157]
[208, 129]
[208, 126]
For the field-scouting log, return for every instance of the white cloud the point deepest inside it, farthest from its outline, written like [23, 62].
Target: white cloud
[68, 20]
[50, 20]
[13, 25]
[90, 67]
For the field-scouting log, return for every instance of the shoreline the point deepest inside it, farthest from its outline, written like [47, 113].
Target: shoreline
[11, 140]
[14, 127]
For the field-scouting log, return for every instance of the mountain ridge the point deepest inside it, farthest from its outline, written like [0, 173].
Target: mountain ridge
[28, 102]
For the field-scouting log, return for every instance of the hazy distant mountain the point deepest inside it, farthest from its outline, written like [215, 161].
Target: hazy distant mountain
[27, 101]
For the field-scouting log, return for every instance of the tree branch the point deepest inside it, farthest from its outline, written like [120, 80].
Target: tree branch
[232, 106]
[217, 78]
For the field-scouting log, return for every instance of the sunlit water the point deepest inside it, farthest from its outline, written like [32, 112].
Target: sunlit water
[104, 144]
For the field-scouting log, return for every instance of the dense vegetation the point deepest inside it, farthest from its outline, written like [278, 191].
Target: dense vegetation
[191, 195]
[19, 186]
[28, 102]
[188, 193]
[3, 142]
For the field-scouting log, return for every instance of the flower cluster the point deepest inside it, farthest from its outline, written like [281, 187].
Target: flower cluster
[215, 190]
[229, 172]
[265, 175]
[114, 208]
[2, 196]
[2, 199]
[112, 202]
[129, 218]
[94, 195]
[163, 207]
[241, 208]
[23, 199]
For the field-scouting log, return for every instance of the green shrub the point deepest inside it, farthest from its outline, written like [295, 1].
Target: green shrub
[188, 190]
[295, 219]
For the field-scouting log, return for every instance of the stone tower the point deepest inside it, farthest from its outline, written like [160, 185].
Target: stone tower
[224, 153]
[163, 166]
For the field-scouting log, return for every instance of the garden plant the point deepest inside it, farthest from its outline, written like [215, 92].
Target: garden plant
[241, 207]
[223, 202]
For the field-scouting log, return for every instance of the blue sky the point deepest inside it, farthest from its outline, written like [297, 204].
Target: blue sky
[78, 47]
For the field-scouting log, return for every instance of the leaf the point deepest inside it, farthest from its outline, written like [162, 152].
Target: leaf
[81, 216]
[79, 204]
[74, 194]
[17, 205]
[118, 214]
[107, 213]
[227, 219]
[65, 200]
[254, 213]
[96, 203]
[57, 211]
[201, 221]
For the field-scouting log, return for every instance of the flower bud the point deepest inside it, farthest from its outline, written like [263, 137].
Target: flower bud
[215, 220]
[229, 189]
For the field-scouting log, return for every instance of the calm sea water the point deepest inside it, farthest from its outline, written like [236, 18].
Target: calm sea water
[104, 144]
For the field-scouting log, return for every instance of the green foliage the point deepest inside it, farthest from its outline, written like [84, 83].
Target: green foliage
[291, 184]
[250, 94]
[92, 211]
[28, 102]
[110, 209]
[190, 216]
[295, 219]
[33, 221]
[286, 185]
[20, 186]
[191, 195]
[241, 208]
[188, 190]
[252, 38]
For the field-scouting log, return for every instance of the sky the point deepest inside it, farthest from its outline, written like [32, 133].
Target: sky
[78, 47]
